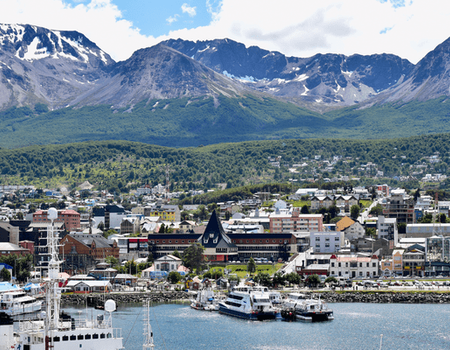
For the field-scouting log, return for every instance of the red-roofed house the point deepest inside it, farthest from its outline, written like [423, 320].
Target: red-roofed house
[353, 266]
[71, 218]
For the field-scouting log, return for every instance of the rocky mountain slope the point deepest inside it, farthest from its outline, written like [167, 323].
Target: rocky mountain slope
[47, 66]
[318, 82]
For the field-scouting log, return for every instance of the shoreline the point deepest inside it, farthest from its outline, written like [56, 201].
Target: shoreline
[368, 296]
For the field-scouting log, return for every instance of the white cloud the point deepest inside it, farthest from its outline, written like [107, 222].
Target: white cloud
[301, 28]
[172, 19]
[189, 10]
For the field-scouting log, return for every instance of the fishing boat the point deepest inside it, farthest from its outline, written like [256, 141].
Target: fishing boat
[299, 307]
[19, 303]
[245, 302]
[55, 330]
[205, 300]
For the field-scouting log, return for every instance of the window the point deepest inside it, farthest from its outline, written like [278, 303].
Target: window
[375, 264]
[317, 239]
[360, 264]
[336, 238]
[332, 264]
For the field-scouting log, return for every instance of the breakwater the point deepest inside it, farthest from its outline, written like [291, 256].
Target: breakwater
[380, 297]
[98, 299]
[385, 297]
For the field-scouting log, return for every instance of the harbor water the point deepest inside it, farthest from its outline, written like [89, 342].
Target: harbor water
[356, 326]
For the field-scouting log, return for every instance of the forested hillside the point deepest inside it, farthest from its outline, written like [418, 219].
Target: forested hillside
[191, 122]
[121, 166]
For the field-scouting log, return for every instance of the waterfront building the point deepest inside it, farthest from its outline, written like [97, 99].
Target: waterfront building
[353, 266]
[218, 246]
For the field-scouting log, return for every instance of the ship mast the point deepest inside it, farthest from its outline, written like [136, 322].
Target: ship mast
[53, 295]
[148, 334]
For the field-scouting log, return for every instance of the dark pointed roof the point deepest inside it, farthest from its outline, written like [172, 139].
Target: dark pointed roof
[214, 235]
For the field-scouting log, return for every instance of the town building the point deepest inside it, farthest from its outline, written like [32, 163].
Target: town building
[327, 241]
[318, 202]
[165, 211]
[293, 221]
[387, 228]
[399, 206]
[218, 246]
[353, 266]
[70, 218]
[80, 252]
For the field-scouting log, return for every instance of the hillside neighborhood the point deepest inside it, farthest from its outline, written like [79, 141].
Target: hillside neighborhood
[363, 233]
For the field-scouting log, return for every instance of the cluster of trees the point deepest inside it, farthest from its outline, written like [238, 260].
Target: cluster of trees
[120, 166]
[22, 265]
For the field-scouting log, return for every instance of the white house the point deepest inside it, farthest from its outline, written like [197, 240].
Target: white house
[354, 231]
[327, 242]
[387, 228]
[167, 263]
[353, 266]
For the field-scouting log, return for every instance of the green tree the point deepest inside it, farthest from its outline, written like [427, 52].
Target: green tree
[371, 231]
[376, 210]
[174, 277]
[112, 261]
[177, 254]
[293, 278]
[5, 275]
[278, 279]
[442, 218]
[401, 227]
[108, 233]
[263, 279]
[305, 209]
[313, 280]
[251, 266]
[354, 211]
[193, 257]
[131, 267]
[331, 279]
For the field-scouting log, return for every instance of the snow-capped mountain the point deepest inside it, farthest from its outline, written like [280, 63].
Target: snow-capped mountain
[319, 82]
[48, 66]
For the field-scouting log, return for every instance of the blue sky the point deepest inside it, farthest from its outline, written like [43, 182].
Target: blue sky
[302, 28]
[156, 17]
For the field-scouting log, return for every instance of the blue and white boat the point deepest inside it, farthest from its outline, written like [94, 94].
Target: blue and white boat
[248, 303]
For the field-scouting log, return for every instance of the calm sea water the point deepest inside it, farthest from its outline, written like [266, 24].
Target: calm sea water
[356, 326]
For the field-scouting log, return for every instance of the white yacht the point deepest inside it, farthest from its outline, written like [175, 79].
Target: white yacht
[54, 330]
[299, 307]
[245, 302]
[205, 300]
[18, 303]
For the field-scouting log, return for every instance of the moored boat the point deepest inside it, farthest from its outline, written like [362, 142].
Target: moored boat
[55, 330]
[205, 300]
[244, 302]
[298, 307]
[18, 303]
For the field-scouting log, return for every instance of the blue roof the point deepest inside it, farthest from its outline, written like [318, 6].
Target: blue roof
[6, 266]
[7, 286]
